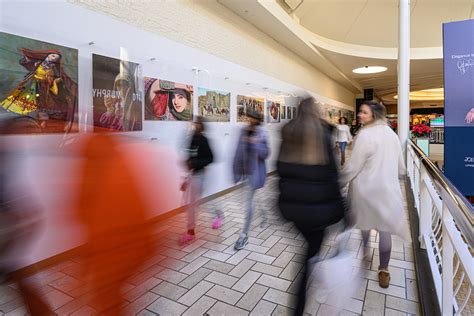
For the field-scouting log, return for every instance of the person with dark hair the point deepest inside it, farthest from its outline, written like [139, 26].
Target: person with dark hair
[309, 189]
[179, 104]
[343, 137]
[249, 165]
[355, 127]
[200, 156]
[372, 175]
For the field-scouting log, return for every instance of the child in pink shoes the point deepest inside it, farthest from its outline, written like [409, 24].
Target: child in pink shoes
[218, 220]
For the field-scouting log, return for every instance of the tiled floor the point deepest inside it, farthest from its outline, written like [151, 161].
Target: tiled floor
[208, 277]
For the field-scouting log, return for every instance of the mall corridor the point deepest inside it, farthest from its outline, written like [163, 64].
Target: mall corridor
[208, 277]
[236, 157]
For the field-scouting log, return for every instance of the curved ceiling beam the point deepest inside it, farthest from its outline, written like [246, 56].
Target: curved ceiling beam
[341, 47]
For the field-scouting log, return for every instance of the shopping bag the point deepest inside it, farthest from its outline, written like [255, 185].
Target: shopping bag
[331, 280]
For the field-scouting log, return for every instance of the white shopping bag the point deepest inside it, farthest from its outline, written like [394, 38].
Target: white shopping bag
[331, 281]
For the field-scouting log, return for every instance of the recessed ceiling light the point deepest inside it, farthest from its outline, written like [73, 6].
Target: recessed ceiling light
[369, 70]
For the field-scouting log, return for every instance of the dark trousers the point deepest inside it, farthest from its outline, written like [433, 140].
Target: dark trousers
[314, 238]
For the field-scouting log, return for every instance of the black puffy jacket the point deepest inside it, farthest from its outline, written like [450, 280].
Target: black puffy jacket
[310, 194]
[200, 153]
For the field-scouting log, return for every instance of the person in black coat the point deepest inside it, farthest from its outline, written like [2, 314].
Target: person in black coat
[310, 196]
[200, 155]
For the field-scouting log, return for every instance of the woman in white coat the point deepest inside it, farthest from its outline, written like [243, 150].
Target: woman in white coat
[372, 174]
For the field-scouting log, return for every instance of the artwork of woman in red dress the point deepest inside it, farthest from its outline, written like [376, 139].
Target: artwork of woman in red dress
[46, 93]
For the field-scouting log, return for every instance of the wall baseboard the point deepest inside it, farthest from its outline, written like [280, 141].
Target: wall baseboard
[71, 253]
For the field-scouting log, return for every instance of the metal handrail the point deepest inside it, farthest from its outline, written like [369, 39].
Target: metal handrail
[460, 208]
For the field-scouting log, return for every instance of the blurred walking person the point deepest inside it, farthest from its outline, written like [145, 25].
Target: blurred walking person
[309, 189]
[113, 211]
[372, 174]
[200, 156]
[19, 213]
[343, 138]
[249, 165]
[355, 127]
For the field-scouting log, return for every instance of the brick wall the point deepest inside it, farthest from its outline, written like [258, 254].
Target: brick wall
[211, 27]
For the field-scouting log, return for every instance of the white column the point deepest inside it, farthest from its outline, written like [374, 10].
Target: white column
[404, 72]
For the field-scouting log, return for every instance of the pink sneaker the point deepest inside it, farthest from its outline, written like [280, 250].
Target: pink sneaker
[216, 223]
[184, 239]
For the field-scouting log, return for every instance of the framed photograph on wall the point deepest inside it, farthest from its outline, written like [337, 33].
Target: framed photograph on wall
[39, 83]
[168, 101]
[246, 104]
[273, 112]
[117, 100]
[213, 105]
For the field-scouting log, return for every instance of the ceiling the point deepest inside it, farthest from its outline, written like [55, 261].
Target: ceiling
[375, 22]
[337, 36]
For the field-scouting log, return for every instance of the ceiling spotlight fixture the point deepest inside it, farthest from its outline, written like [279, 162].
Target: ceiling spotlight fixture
[369, 70]
[247, 84]
[226, 78]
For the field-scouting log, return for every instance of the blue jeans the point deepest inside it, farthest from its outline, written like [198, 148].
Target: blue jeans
[250, 207]
[342, 146]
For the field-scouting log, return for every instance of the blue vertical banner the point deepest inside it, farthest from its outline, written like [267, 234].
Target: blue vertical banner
[458, 53]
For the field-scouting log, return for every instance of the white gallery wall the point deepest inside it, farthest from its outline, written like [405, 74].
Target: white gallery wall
[48, 159]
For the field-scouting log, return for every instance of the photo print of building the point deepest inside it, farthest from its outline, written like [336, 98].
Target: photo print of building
[213, 105]
[246, 104]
